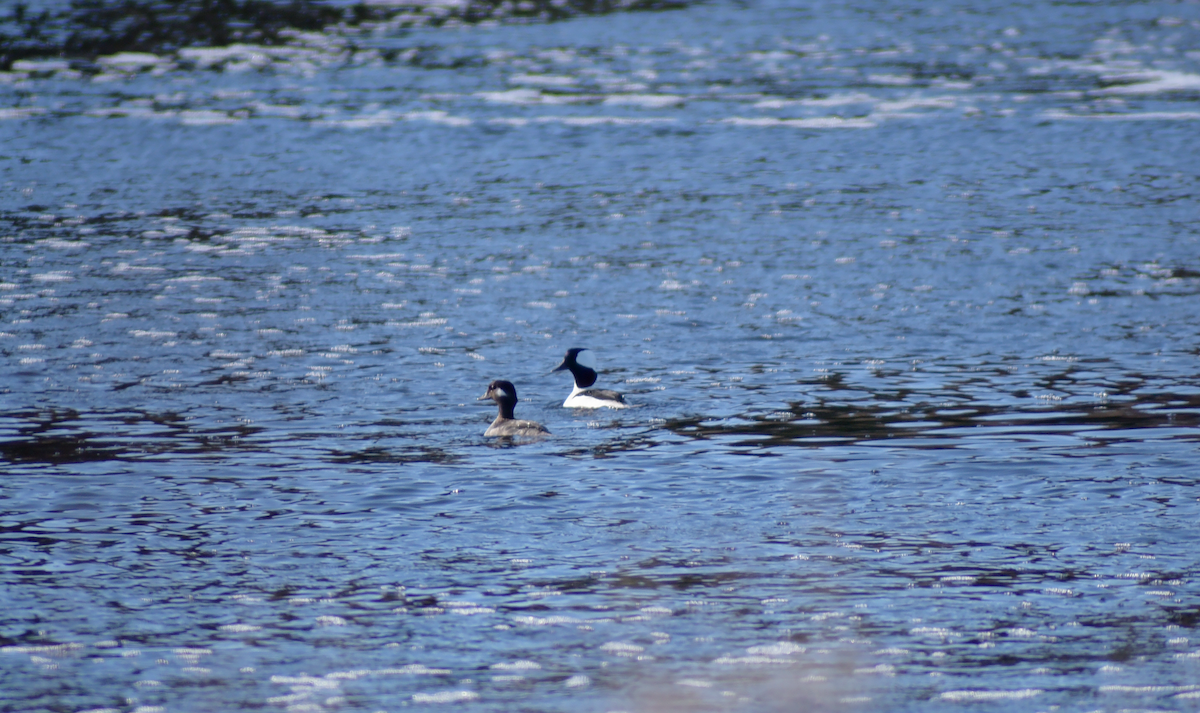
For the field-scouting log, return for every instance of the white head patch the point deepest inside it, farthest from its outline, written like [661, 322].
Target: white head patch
[586, 358]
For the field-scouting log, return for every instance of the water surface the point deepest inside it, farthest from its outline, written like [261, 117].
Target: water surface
[906, 297]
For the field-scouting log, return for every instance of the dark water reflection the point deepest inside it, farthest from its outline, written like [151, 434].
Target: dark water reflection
[906, 301]
[957, 423]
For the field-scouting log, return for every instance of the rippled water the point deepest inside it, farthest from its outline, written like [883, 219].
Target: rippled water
[906, 297]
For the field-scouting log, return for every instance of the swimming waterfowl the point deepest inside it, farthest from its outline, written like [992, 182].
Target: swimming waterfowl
[505, 396]
[579, 362]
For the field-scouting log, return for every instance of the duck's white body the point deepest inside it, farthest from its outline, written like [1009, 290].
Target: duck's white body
[594, 398]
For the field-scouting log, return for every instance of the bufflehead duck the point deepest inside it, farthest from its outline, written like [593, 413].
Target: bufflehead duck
[505, 396]
[579, 362]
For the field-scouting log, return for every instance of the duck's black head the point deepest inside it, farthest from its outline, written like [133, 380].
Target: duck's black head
[584, 374]
[504, 394]
[500, 391]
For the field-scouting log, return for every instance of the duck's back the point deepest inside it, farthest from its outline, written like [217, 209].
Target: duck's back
[515, 427]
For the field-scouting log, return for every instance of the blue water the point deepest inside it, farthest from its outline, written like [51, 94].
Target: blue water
[906, 297]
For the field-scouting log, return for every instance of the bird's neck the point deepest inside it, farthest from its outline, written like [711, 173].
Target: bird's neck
[506, 408]
[584, 377]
